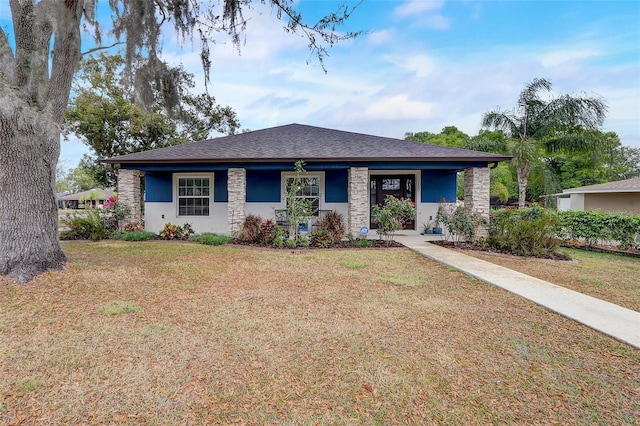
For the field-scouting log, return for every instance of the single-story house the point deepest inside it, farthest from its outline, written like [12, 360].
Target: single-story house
[214, 184]
[618, 196]
[91, 199]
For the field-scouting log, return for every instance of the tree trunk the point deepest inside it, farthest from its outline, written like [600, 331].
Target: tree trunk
[29, 150]
[523, 179]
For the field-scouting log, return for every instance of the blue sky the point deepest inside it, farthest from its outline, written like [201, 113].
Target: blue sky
[424, 65]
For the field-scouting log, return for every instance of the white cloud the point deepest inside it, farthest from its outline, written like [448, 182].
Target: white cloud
[424, 11]
[437, 22]
[380, 37]
[416, 7]
[567, 54]
[398, 107]
[420, 64]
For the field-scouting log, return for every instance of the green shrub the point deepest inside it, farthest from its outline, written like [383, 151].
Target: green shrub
[595, 226]
[291, 244]
[362, 243]
[321, 238]
[333, 223]
[138, 236]
[392, 216]
[210, 239]
[88, 226]
[278, 241]
[460, 221]
[524, 232]
[176, 232]
[115, 235]
[303, 241]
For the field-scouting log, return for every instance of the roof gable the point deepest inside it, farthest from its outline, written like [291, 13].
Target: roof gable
[296, 141]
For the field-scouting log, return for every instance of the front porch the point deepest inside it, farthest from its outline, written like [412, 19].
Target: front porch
[364, 186]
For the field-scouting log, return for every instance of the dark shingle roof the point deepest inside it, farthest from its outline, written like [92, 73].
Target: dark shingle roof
[627, 185]
[296, 141]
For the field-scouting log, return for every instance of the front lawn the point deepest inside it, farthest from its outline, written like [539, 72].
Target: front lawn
[181, 333]
[611, 277]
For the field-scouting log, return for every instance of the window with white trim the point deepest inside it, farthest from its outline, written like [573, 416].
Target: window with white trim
[194, 195]
[310, 190]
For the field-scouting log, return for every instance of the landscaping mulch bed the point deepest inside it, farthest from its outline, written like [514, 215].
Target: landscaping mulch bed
[345, 244]
[463, 245]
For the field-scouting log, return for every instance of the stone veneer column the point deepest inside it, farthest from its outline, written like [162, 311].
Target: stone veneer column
[237, 195]
[129, 194]
[476, 195]
[358, 199]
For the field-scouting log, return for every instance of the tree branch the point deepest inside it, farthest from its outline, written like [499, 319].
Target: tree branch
[96, 49]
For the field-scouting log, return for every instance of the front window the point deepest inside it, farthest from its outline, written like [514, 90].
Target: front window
[194, 196]
[310, 190]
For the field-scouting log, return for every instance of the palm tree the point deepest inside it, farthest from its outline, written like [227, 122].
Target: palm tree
[537, 124]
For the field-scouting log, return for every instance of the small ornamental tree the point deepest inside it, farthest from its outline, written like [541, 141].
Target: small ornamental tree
[460, 221]
[392, 215]
[299, 209]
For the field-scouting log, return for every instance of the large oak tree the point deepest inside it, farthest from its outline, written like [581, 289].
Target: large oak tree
[102, 111]
[37, 66]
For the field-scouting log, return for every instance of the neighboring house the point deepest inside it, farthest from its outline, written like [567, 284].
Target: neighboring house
[214, 184]
[59, 196]
[619, 196]
[91, 199]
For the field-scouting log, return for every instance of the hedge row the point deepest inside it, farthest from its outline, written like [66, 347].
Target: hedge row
[595, 227]
[535, 231]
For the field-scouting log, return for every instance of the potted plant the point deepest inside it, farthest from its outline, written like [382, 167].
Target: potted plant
[437, 229]
[441, 216]
[427, 227]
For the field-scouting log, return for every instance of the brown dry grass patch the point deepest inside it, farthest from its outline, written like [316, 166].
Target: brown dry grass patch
[227, 335]
[609, 277]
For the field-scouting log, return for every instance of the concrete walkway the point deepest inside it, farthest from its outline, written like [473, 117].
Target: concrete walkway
[618, 322]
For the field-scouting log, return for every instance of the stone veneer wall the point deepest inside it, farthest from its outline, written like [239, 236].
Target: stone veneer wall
[477, 193]
[358, 199]
[237, 192]
[129, 194]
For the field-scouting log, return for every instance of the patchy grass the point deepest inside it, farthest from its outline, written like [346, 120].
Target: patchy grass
[118, 307]
[32, 384]
[610, 277]
[353, 264]
[404, 280]
[231, 335]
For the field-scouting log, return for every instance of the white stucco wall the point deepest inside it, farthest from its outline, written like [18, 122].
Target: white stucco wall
[576, 202]
[564, 203]
[156, 215]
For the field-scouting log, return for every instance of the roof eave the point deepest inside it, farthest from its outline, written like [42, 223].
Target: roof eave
[605, 191]
[307, 159]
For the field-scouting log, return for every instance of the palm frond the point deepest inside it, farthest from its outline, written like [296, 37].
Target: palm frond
[506, 121]
[530, 94]
[488, 145]
[577, 142]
